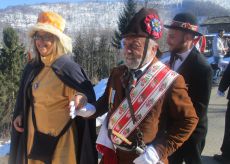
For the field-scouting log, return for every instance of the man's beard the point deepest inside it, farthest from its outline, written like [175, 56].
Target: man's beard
[177, 50]
[133, 64]
[180, 48]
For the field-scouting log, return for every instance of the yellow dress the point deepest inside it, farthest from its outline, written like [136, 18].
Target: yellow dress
[51, 105]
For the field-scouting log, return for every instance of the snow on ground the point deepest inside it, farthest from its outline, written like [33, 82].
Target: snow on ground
[4, 148]
[99, 90]
[100, 87]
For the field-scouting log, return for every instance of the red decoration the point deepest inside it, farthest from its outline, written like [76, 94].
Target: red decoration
[153, 26]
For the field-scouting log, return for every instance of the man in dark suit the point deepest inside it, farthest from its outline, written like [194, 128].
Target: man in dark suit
[225, 148]
[187, 61]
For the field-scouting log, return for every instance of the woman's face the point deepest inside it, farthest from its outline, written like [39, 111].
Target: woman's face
[44, 42]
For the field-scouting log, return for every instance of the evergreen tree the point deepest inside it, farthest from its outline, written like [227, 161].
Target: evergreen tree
[12, 60]
[94, 53]
[78, 50]
[91, 49]
[106, 58]
[10, 38]
[124, 18]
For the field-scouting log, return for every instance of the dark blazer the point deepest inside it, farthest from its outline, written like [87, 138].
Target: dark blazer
[71, 74]
[225, 82]
[198, 78]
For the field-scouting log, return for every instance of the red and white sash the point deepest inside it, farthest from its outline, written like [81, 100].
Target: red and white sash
[150, 87]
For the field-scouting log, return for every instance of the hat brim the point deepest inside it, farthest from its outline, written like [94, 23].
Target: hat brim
[65, 40]
[144, 35]
[183, 29]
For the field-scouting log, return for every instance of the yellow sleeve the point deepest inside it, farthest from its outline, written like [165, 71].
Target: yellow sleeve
[69, 92]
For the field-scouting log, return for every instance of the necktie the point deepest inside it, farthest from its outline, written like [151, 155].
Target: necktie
[134, 76]
[138, 73]
[173, 59]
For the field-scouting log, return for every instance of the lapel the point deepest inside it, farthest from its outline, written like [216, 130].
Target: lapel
[189, 61]
[118, 83]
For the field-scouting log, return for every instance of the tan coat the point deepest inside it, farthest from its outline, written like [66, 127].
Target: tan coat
[51, 103]
[170, 122]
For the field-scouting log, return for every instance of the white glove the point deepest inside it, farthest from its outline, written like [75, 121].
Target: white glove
[86, 111]
[150, 156]
[221, 94]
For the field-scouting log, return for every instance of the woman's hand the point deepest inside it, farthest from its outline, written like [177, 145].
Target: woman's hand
[18, 124]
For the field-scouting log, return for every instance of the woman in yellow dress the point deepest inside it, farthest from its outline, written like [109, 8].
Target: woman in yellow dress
[43, 131]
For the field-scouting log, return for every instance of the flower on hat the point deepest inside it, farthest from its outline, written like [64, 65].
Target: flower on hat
[53, 19]
[153, 26]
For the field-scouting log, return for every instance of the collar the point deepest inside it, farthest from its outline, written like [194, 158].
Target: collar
[185, 54]
[48, 60]
[143, 68]
[138, 72]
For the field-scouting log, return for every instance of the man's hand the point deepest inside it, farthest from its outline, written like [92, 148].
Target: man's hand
[80, 100]
[18, 124]
[150, 156]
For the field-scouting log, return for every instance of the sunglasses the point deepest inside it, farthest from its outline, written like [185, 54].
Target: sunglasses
[46, 37]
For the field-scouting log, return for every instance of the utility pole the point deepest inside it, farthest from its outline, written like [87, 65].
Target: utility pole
[146, 3]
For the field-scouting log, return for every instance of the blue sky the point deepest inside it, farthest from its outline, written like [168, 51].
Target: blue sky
[6, 3]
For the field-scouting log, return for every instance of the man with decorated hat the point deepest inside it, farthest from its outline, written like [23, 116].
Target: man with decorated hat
[42, 131]
[192, 65]
[136, 96]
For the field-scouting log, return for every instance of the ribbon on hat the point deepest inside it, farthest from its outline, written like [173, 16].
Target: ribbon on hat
[184, 25]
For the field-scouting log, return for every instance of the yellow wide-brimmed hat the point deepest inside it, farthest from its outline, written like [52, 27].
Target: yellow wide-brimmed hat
[53, 23]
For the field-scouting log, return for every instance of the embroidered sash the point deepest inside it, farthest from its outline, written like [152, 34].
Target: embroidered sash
[150, 87]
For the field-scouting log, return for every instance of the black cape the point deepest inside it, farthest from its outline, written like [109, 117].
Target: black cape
[71, 74]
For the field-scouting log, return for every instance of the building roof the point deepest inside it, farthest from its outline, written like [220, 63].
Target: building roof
[216, 21]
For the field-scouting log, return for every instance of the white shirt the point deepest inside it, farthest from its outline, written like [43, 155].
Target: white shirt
[143, 68]
[218, 46]
[183, 56]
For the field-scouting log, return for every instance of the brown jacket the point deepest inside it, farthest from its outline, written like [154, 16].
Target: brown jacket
[166, 130]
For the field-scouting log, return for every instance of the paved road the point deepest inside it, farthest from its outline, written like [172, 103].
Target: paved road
[216, 116]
